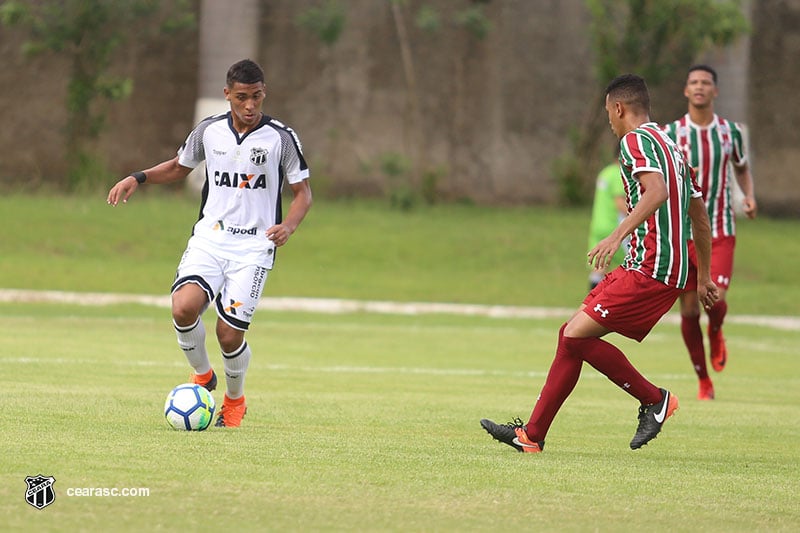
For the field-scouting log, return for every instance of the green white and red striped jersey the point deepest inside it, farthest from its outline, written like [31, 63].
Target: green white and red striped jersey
[658, 246]
[710, 150]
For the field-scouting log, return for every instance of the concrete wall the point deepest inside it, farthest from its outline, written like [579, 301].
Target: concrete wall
[493, 112]
[774, 104]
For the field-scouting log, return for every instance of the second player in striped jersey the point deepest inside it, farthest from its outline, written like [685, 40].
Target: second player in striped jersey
[716, 149]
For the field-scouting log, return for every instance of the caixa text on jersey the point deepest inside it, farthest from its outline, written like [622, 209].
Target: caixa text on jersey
[240, 181]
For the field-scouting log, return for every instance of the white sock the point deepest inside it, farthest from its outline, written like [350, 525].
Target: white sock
[235, 368]
[192, 340]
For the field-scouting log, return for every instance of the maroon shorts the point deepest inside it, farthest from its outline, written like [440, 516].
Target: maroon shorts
[721, 263]
[629, 303]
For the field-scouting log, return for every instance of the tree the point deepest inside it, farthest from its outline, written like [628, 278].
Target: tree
[219, 49]
[653, 38]
[90, 32]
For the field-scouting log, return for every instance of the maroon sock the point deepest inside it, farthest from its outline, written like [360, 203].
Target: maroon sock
[716, 315]
[693, 338]
[611, 362]
[561, 380]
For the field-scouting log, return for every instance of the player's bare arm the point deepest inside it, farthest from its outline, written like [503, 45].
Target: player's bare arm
[164, 172]
[745, 181]
[707, 291]
[655, 194]
[301, 203]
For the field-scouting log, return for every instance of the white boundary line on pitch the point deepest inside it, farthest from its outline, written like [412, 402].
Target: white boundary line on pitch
[340, 306]
[339, 369]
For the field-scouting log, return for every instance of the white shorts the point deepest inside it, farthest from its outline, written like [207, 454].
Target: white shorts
[234, 287]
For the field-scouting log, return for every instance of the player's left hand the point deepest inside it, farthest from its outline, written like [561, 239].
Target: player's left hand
[279, 234]
[750, 207]
[707, 293]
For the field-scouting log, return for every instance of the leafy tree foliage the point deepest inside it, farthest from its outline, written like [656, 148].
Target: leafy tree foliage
[90, 33]
[652, 38]
[655, 38]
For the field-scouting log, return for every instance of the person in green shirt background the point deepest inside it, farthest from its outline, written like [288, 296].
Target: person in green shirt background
[608, 210]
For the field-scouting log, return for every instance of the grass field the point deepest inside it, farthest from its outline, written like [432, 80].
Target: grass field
[370, 422]
[362, 250]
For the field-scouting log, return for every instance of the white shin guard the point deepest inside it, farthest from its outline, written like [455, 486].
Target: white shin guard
[236, 364]
[192, 340]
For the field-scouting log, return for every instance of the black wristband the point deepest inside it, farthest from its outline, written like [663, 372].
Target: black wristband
[140, 176]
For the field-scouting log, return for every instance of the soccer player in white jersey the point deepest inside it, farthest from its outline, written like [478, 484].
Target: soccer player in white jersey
[248, 158]
[716, 149]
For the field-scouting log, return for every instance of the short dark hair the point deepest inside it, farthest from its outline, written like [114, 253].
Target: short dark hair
[245, 71]
[704, 68]
[631, 90]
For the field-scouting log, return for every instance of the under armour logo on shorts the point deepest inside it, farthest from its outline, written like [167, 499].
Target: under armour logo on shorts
[598, 309]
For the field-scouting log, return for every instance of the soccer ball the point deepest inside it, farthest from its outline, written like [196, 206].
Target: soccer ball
[189, 407]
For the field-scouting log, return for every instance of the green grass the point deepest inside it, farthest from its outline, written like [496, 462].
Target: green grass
[352, 250]
[362, 250]
[370, 422]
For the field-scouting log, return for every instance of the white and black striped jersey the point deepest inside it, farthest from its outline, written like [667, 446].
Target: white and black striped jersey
[242, 192]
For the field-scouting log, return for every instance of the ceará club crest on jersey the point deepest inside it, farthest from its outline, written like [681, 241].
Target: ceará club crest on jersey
[258, 156]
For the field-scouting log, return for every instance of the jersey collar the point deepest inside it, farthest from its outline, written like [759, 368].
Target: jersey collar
[239, 137]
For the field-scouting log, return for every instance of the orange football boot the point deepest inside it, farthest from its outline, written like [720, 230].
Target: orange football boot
[207, 380]
[231, 413]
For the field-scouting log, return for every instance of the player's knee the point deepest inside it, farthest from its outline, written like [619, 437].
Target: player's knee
[690, 304]
[579, 347]
[576, 345]
[188, 303]
[184, 314]
[690, 314]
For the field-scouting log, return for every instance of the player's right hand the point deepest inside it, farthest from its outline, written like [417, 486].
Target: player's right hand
[603, 252]
[123, 190]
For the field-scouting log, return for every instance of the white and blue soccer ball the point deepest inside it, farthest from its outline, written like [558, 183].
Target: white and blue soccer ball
[189, 407]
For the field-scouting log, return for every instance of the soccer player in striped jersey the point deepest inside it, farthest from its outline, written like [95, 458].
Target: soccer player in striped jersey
[662, 197]
[249, 157]
[716, 149]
